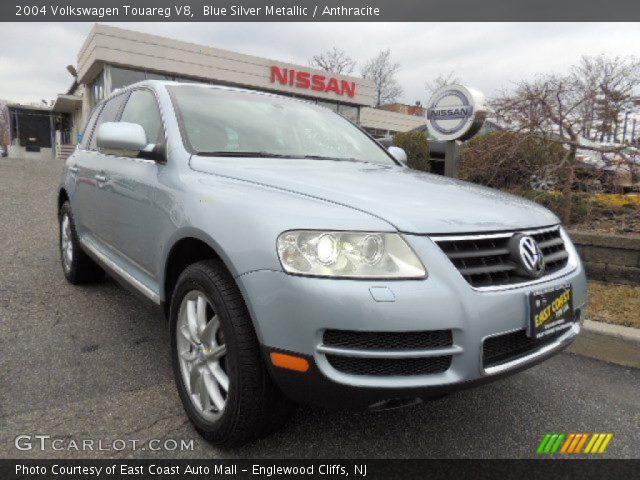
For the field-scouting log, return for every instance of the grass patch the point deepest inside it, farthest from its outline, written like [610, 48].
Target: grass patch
[617, 304]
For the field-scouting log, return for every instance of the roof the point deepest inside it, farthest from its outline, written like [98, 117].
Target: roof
[67, 103]
[24, 106]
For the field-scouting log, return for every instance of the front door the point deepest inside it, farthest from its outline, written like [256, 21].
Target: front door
[134, 200]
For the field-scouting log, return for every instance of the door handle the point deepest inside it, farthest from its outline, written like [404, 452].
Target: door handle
[100, 178]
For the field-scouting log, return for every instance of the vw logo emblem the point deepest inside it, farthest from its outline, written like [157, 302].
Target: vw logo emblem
[531, 257]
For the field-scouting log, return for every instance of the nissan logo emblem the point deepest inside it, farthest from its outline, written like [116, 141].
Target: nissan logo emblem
[531, 256]
[455, 112]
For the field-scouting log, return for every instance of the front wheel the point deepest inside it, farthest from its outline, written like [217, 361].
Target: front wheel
[223, 384]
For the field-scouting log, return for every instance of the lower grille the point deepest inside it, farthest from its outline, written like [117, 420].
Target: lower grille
[390, 366]
[388, 340]
[486, 260]
[510, 346]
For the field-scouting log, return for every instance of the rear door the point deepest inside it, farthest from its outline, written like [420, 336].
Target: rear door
[79, 178]
[93, 179]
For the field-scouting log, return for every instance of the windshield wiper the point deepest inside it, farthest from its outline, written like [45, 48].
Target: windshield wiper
[243, 154]
[335, 159]
[264, 154]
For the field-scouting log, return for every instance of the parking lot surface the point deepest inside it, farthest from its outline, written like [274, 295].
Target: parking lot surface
[92, 363]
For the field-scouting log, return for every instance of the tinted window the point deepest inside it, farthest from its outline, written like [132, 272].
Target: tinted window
[86, 135]
[109, 113]
[141, 108]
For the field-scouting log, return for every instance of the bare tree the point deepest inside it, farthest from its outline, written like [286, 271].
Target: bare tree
[440, 81]
[334, 60]
[553, 107]
[612, 82]
[383, 71]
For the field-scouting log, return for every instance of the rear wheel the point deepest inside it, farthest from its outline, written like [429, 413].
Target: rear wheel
[221, 378]
[77, 266]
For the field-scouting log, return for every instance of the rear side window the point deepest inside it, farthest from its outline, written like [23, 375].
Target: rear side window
[89, 128]
[109, 113]
[142, 108]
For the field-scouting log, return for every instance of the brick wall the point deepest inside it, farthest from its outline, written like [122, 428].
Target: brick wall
[609, 258]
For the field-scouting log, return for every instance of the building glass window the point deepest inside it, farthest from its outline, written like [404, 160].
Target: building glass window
[189, 80]
[97, 89]
[121, 77]
[158, 76]
[350, 112]
[330, 105]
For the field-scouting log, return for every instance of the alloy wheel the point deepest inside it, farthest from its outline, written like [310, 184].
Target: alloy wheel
[202, 355]
[66, 243]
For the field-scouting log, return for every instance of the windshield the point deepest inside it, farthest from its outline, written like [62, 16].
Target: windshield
[229, 123]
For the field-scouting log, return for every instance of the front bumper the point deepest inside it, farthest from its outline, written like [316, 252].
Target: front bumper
[291, 313]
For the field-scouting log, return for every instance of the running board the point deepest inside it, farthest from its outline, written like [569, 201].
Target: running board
[109, 264]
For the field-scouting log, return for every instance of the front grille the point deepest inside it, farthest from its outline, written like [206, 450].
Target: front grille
[510, 346]
[388, 340]
[486, 261]
[390, 366]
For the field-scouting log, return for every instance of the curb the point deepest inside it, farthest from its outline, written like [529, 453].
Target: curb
[610, 343]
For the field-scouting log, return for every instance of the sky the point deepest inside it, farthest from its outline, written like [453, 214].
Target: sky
[488, 56]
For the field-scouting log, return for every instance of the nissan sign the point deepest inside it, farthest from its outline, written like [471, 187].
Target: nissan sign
[455, 112]
[308, 81]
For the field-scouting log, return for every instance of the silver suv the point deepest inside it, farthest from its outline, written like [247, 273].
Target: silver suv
[297, 259]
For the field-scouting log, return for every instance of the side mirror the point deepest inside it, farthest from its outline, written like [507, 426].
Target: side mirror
[399, 154]
[121, 138]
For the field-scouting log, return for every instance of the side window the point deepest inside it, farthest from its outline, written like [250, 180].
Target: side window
[109, 114]
[86, 135]
[142, 108]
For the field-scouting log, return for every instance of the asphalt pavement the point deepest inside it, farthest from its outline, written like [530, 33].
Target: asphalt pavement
[92, 363]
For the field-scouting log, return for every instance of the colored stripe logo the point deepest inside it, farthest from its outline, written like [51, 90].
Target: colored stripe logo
[574, 443]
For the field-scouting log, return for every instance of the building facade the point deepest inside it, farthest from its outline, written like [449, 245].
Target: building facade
[112, 58]
[31, 131]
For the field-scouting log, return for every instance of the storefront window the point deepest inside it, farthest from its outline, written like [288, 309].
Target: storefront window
[121, 77]
[349, 111]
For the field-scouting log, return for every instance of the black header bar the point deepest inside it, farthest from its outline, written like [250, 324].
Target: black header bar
[329, 469]
[318, 10]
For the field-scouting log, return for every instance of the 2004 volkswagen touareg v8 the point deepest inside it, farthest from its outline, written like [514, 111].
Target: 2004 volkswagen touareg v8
[296, 258]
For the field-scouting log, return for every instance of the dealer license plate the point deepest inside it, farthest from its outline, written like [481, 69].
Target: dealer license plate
[550, 311]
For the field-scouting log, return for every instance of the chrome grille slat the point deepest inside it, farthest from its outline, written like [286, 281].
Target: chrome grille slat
[475, 253]
[551, 243]
[556, 256]
[485, 261]
[486, 269]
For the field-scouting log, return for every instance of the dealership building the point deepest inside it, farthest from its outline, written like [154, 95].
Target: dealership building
[112, 58]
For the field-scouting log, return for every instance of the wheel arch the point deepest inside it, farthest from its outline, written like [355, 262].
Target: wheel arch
[189, 247]
[63, 196]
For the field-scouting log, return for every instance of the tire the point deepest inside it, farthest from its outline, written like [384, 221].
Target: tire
[77, 266]
[207, 317]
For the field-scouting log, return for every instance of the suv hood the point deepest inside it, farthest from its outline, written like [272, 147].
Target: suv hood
[412, 201]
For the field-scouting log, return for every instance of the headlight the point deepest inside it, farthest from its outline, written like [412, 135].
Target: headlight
[348, 254]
